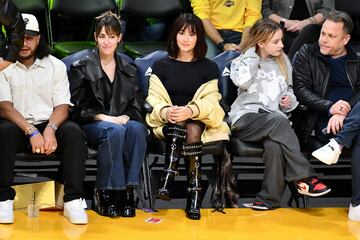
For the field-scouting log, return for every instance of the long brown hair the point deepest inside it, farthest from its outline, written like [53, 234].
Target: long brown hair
[262, 31]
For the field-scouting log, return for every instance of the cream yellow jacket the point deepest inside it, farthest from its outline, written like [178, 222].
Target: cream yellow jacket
[205, 106]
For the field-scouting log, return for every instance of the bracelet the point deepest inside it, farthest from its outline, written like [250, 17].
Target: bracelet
[312, 20]
[53, 126]
[30, 130]
[33, 133]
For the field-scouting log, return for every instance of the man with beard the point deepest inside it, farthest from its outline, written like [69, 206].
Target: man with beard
[12, 21]
[34, 105]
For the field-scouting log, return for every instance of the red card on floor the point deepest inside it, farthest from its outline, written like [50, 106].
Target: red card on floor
[154, 220]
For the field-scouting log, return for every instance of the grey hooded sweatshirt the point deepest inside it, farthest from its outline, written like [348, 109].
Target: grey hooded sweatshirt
[261, 85]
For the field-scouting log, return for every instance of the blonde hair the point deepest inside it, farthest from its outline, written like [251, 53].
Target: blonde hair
[262, 31]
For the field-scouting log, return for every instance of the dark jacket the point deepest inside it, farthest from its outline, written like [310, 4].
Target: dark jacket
[85, 76]
[13, 23]
[311, 85]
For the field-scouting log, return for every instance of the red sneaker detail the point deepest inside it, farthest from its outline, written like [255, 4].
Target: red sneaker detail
[319, 186]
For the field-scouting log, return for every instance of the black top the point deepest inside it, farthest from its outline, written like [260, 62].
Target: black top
[300, 11]
[182, 79]
[106, 86]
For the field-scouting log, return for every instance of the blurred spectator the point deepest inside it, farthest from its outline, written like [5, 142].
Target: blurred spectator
[13, 23]
[294, 15]
[226, 22]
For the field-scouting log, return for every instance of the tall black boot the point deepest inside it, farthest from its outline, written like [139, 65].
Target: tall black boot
[105, 203]
[126, 202]
[193, 154]
[175, 137]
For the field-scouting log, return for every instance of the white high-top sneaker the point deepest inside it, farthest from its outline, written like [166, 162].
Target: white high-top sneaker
[74, 211]
[6, 211]
[354, 213]
[329, 153]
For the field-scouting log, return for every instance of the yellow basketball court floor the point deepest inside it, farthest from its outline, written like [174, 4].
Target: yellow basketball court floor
[242, 223]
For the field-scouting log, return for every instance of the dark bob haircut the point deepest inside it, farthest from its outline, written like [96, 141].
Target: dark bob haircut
[194, 23]
[110, 21]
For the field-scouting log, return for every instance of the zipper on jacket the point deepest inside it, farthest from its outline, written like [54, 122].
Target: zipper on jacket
[347, 73]
[327, 81]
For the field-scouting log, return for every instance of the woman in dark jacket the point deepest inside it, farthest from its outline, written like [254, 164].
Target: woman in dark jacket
[13, 23]
[108, 103]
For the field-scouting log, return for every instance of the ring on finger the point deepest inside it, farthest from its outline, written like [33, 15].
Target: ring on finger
[37, 150]
[53, 148]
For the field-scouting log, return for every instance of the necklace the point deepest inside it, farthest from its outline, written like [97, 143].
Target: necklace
[229, 3]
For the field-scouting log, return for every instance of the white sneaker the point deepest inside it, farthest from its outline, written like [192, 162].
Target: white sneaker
[6, 211]
[328, 154]
[74, 210]
[354, 213]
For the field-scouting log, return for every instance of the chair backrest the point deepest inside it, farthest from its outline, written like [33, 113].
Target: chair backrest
[350, 6]
[33, 6]
[81, 8]
[76, 16]
[150, 8]
[82, 54]
[144, 68]
[226, 87]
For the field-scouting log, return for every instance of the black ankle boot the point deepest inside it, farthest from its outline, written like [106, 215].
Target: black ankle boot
[175, 137]
[192, 154]
[127, 204]
[105, 203]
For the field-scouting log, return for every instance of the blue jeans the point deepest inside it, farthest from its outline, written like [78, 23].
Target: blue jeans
[121, 150]
[349, 136]
[229, 36]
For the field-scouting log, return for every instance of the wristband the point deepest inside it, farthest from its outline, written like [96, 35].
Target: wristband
[33, 133]
[221, 45]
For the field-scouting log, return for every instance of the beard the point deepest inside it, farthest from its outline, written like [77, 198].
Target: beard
[28, 56]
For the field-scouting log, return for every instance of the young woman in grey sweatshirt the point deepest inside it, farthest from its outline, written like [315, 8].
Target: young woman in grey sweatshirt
[259, 114]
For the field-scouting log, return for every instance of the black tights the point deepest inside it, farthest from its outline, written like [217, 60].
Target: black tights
[194, 130]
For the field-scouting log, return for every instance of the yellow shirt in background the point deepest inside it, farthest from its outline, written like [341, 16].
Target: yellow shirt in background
[228, 14]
